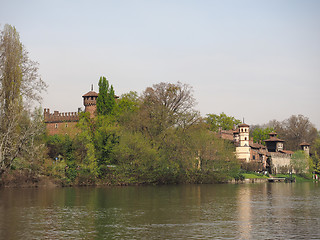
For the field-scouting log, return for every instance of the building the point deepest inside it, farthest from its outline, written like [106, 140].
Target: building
[270, 157]
[65, 122]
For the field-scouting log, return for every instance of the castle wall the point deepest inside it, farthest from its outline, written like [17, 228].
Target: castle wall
[57, 117]
[62, 128]
[280, 160]
[61, 123]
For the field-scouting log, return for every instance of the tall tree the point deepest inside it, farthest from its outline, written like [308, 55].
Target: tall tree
[225, 122]
[19, 86]
[106, 101]
[295, 130]
[167, 105]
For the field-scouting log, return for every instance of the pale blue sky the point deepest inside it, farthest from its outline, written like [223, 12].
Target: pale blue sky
[258, 60]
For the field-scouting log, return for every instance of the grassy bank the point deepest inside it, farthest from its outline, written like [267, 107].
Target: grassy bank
[299, 177]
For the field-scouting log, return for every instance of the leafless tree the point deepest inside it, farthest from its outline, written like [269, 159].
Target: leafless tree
[295, 130]
[167, 105]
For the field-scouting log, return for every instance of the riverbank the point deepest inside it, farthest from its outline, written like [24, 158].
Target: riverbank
[28, 179]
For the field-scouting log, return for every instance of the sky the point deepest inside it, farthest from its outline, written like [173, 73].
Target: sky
[256, 60]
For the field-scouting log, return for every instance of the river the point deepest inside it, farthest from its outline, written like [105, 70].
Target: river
[219, 211]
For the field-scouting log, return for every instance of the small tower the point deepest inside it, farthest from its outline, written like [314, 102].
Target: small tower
[274, 144]
[306, 148]
[90, 102]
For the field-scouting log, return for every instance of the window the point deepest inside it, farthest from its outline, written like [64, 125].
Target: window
[56, 125]
[66, 125]
[245, 139]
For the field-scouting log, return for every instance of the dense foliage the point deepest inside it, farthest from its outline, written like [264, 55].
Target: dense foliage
[155, 138]
[222, 121]
[259, 134]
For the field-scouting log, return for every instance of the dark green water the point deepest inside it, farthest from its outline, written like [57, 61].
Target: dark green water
[244, 211]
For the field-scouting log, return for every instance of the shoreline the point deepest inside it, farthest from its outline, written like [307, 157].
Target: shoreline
[27, 179]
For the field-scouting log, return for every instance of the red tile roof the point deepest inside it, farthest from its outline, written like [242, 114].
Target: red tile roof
[243, 125]
[274, 139]
[91, 94]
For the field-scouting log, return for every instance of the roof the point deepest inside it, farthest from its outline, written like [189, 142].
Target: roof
[91, 94]
[287, 151]
[273, 133]
[274, 139]
[304, 144]
[243, 125]
[256, 145]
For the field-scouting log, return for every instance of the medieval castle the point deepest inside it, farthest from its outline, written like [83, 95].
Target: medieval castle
[64, 123]
[272, 157]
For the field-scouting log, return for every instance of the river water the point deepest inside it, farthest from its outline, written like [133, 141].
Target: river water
[220, 211]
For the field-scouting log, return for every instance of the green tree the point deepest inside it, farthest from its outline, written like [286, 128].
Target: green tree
[260, 134]
[20, 85]
[106, 99]
[300, 162]
[225, 122]
[315, 155]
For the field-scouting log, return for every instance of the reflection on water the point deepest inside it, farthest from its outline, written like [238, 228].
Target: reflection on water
[245, 211]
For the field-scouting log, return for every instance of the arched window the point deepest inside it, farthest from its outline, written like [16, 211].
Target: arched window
[245, 139]
[56, 125]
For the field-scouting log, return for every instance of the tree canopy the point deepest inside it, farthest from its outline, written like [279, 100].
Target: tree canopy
[222, 120]
[295, 130]
[106, 99]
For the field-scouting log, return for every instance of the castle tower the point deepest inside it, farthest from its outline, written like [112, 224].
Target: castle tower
[274, 144]
[90, 102]
[243, 150]
[306, 148]
[243, 135]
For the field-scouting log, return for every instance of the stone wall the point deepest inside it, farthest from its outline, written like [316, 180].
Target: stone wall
[280, 160]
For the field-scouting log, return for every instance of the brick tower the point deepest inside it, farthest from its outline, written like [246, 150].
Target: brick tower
[90, 102]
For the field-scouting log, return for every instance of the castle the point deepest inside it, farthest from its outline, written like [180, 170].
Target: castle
[64, 123]
[272, 157]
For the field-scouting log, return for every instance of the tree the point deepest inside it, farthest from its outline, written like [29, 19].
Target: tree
[225, 122]
[315, 154]
[299, 161]
[165, 106]
[260, 134]
[105, 101]
[295, 130]
[20, 85]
